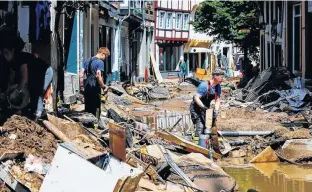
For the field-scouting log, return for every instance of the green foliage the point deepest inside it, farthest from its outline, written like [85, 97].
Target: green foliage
[224, 19]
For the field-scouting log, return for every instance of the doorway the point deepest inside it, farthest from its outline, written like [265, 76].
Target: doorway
[296, 38]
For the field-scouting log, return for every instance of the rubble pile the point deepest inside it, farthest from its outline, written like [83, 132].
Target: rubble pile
[23, 139]
[148, 127]
[275, 89]
[29, 138]
[270, 79]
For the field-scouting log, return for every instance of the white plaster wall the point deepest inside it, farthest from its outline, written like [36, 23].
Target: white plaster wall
[185, 4]
[157, 56]
[175, 4]
[169, 34]
[161, 33]
[23, 22]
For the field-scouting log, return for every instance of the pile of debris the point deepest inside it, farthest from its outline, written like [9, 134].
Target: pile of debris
[275, 89]
[20, 134]
[144, 141]
[20, 140]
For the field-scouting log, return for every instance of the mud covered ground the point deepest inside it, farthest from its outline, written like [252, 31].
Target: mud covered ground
[240, 119]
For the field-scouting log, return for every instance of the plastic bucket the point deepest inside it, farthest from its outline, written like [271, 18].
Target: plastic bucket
[203, 140]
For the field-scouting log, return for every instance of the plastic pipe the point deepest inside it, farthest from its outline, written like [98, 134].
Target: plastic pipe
[244, 133]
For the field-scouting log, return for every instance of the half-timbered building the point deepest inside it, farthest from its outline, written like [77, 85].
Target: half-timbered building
[171, 32]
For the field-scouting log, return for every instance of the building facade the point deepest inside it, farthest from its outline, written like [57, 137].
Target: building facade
[172, 26]
[286, 36]
[139, 16]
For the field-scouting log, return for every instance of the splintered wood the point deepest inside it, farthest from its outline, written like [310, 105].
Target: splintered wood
[117, 141]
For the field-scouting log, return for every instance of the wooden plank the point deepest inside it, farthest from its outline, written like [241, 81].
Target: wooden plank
[148, 185]
[128, 184]
[209, 118]
[267, 155]
[117, 141]
[156, 69]
[56, 131]
[188, 145]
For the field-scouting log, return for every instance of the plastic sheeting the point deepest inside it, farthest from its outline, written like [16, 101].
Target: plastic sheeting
[298, 102]
[270, 79]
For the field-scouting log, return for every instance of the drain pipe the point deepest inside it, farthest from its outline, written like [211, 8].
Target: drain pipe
[116, 72]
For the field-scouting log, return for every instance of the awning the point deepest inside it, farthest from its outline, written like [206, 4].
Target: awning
[197, 43]
[199, 50]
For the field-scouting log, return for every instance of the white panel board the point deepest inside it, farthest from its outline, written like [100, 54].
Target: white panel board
[69, 172]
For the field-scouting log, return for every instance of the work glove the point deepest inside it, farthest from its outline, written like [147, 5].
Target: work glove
[215, 113]
[204, 108]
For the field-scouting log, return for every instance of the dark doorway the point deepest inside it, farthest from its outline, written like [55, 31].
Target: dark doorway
[278, 55]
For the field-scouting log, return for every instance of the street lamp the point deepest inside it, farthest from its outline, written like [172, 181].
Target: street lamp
[263, 24]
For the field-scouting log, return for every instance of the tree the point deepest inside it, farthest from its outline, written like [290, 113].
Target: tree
[227, 20]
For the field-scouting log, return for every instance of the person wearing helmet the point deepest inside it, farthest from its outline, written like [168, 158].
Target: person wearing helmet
[206, 92]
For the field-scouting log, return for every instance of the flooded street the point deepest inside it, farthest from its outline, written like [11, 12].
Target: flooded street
[272, 177]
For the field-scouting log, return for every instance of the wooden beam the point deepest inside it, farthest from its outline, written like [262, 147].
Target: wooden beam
[56, 131]
[187, 145]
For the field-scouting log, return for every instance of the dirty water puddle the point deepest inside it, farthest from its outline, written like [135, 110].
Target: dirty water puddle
[272, 177]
